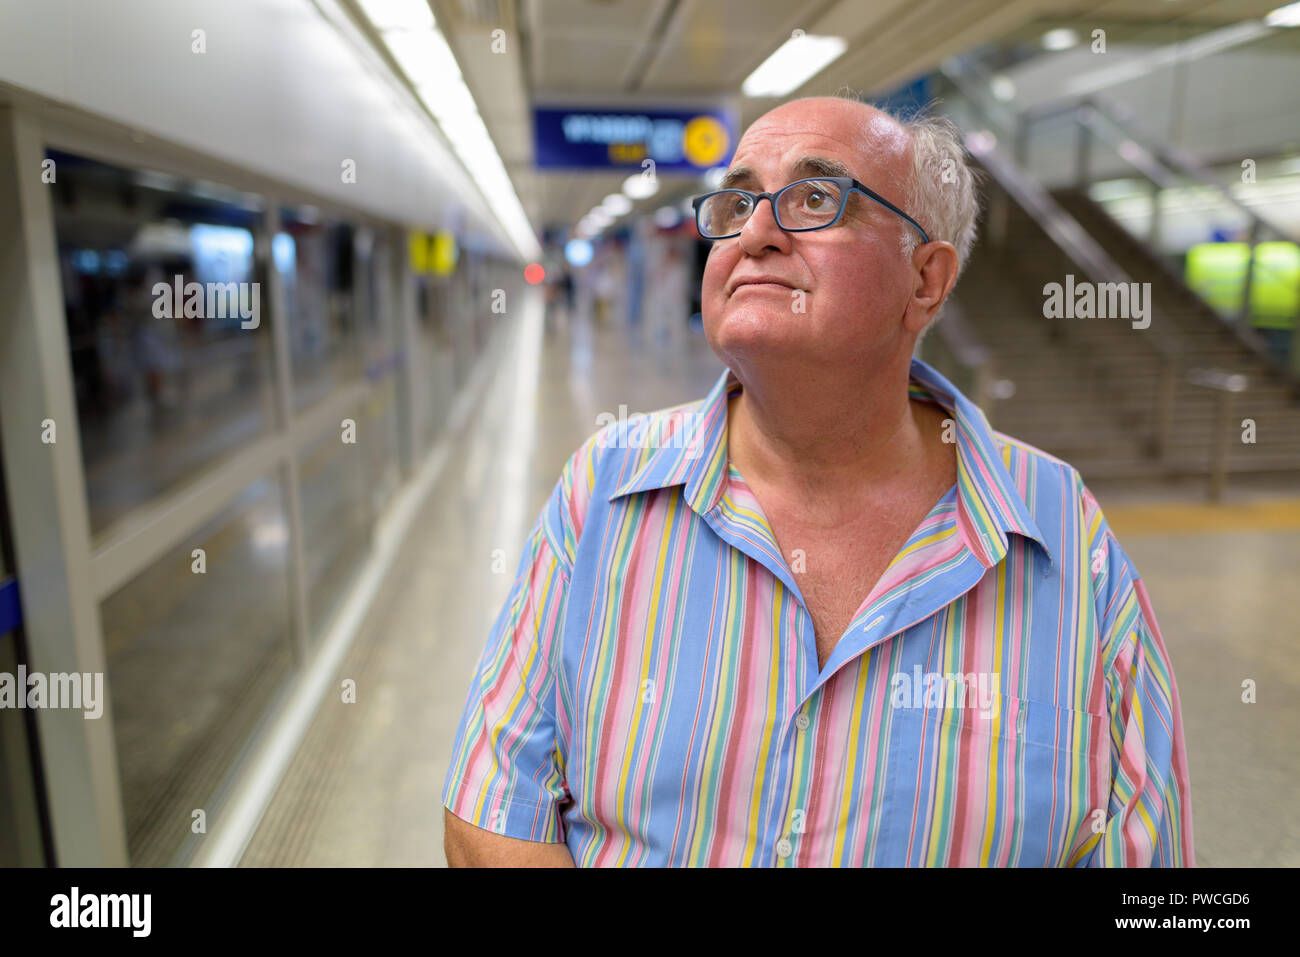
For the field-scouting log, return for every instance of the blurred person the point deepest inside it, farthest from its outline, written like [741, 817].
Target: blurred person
[669, 307]
[609, 281]
[156, 347]
[566, 289]
[826, 616]
[634, 260]
[559, 298]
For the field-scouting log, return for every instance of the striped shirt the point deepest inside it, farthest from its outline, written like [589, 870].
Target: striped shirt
[650, 692]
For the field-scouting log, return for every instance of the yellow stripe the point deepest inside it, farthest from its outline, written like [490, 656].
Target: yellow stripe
[1269, 515]
[938, 823]
[519, 692]
[655, 603]
[703, 823]
[995, 749]
[855, 728]
[928, 540]
[764, 748]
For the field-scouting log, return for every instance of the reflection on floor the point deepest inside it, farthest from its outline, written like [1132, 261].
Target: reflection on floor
[364, 790]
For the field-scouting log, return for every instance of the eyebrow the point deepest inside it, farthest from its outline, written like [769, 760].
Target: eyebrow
[806, 167]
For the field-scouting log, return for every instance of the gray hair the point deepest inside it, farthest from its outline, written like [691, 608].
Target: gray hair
[943, 192]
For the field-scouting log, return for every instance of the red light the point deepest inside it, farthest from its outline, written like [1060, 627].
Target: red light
[534, 273]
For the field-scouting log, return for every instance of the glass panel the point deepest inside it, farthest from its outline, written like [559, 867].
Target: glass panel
[195, 654]
[315, 258]
[336, 517]
[477, 304]
[164, 296]
[458, 322]
[438, 355]
[378, 436]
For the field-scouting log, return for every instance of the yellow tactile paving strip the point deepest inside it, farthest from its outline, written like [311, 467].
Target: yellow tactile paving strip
[1173, 517]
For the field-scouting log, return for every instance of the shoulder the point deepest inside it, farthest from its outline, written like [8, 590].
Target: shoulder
[1089, 552]
[1068, 513]
[623, 447]
[1051, 487]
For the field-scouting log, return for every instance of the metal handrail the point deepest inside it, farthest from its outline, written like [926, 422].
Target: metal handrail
[1226, 386]
[1089, 112]
[1061, 228]
[1119, 116]
[1173, 159]
[1079, 247]
[961, 342]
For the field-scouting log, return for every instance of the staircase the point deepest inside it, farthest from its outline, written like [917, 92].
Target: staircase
[1089, 390]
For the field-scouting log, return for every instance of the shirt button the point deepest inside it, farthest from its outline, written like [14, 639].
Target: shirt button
[801, 722]
[784, 848]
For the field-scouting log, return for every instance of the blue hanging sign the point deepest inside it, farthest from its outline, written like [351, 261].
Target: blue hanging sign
[681, 141]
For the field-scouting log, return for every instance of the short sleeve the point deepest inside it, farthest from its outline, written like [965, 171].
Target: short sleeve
[507, 771]
[1148, 818]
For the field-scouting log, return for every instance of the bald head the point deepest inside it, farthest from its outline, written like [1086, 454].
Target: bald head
[875, 147]
[851, 119]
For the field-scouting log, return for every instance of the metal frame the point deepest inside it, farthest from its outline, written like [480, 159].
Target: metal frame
[49, 520]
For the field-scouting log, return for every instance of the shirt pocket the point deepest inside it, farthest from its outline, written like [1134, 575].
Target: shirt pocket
[1007, 785]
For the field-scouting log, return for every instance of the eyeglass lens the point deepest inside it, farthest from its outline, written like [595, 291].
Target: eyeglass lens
[803, 205]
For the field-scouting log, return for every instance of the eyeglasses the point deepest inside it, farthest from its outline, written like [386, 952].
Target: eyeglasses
[801, 207]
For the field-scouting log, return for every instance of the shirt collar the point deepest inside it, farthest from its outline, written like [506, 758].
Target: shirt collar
[989, 504]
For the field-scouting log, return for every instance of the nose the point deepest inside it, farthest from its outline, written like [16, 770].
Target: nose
[761, 232]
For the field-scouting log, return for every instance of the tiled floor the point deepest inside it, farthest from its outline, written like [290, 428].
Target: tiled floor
[365, 787]
[1229, 610]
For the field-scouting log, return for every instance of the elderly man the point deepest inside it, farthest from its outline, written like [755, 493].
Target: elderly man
[827, 617]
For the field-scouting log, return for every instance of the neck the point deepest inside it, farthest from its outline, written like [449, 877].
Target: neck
[834, 440]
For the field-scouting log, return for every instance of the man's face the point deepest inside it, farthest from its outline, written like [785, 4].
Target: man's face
[838, 292]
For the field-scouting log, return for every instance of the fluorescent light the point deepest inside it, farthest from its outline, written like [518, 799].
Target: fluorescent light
[423, 54]
[1185, 51]
[398, 14]
[1287, 16]
[468, 134]
[270, 534]
[616, 204]
[1060, 39]
[981, 142]
[152, 180]
[424, 57]
[578, 252]
[640, 186]
[792, 64]
[666, 217]
[449, 101]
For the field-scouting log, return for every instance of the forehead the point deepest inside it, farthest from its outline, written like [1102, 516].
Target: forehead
[869, 143]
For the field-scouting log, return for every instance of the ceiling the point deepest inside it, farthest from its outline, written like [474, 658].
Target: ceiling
[657, 51]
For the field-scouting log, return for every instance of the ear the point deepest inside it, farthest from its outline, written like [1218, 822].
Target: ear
[935, 271]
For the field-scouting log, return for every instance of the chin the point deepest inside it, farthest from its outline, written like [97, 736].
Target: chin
[739, 328]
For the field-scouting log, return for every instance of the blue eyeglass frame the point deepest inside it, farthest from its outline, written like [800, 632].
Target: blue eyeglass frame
[847, 185]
